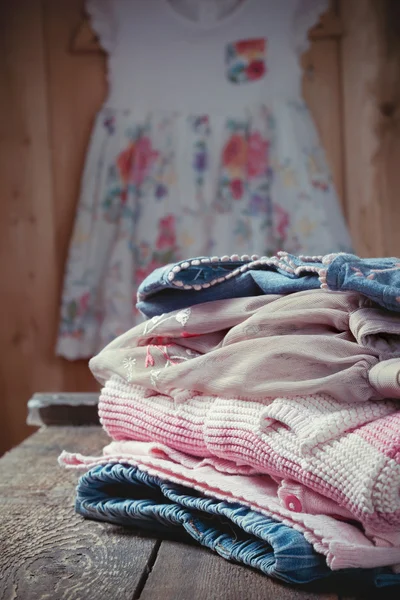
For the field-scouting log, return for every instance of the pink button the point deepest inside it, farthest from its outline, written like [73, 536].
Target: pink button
[293, 503]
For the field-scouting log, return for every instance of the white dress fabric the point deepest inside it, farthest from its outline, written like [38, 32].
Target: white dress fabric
[204, 147]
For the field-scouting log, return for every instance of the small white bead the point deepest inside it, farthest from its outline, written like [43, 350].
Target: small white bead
[221, 279]
[324, 286]
[205, 260]
[171, 276]
[235, 257]
[225, 258]
[206, 285]
[195, 262]
[178, 283]
[176, 269]
[185, 265]
[187, 287]
[215, 259]
[213, 282]
[243, 269]
[197, 287]
[245, 257]
[254, 257]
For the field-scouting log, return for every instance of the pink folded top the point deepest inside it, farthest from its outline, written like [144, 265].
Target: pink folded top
[252, 348]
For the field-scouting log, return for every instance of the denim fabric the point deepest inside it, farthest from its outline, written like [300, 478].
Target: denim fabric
[125, 495]
[205, 279]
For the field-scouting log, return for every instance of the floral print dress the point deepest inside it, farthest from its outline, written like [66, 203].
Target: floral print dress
[203, 147]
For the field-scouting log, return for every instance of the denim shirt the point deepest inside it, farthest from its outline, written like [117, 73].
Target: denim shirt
[205, 279]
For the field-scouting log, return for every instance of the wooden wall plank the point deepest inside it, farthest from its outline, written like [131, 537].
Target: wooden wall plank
[27, 250]
[322, 92]
[386, 15]
[371, 94]
[76, 91]
[48, 100]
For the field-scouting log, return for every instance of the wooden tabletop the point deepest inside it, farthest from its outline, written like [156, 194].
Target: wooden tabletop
[49, 552]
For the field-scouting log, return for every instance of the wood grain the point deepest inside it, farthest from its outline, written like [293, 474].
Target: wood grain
[76, 88]
[370, 65]
[49, 552]
[321, 91]
[27, 250]
[183, 572]
[48, 100]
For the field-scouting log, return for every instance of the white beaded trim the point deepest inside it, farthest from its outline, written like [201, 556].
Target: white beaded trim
[282, 260]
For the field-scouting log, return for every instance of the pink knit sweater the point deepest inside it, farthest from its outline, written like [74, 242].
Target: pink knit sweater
[346, 452]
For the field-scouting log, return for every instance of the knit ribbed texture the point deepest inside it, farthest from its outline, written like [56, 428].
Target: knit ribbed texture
[341, 451]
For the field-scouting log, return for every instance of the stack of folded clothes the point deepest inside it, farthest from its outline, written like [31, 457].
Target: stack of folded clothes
[258, 410]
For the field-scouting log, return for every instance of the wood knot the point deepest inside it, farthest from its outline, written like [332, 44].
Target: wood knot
[388, 109]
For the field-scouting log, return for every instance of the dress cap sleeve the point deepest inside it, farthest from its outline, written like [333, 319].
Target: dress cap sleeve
[103, 21]
[306, 15]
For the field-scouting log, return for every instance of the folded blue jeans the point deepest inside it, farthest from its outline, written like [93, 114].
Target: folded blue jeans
[205, 279]
[125, 495]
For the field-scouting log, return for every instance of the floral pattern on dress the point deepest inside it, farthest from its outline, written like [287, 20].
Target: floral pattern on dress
[245, 60]
[167, 188]
[166, 250]
[233, 170]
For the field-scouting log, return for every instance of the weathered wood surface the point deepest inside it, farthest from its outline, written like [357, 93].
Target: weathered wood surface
[49, 553]
[370, 75]
[185, 573]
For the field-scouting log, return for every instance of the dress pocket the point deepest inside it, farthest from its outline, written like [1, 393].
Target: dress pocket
[246, 60]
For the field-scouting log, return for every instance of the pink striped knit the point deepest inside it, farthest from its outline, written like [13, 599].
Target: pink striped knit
[342, 451]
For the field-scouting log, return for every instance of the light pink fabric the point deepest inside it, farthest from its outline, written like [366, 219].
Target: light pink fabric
[343, 544]
[299, 498]
[252, 348]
